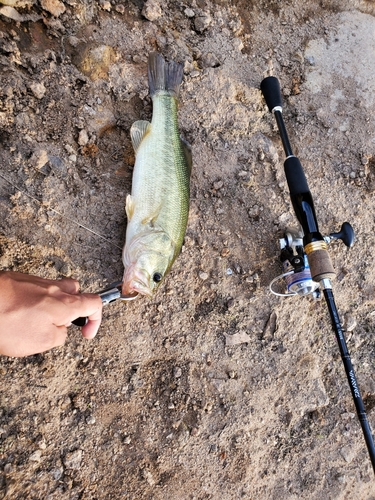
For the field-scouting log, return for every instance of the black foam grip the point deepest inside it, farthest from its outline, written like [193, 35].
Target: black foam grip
[295, 176]
[270, 88]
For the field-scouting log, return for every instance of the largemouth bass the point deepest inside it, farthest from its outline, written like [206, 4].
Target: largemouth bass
[157, 208]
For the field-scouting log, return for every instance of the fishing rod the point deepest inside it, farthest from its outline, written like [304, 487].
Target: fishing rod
[304, 255]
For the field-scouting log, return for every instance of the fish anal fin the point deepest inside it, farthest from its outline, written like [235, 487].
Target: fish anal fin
[138, 131]
[129, 207]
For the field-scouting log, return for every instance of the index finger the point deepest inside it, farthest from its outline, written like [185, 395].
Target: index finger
[68, 285]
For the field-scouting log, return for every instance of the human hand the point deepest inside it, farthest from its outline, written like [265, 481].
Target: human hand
[35, 312]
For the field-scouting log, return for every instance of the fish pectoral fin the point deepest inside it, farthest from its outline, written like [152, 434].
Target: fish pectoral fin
[129, 207]
[187, 151]
[138, 131]
[150, 219]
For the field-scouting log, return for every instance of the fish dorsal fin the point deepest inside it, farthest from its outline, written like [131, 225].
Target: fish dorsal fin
[129, 207]
[187, 150]
[137, 132]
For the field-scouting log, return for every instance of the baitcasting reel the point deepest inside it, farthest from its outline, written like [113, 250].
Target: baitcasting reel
[295, 265]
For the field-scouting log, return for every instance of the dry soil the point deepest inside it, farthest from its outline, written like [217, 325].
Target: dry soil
[215, 388]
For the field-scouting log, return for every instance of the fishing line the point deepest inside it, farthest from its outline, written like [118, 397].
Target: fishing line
[304, 256]
[59, 213]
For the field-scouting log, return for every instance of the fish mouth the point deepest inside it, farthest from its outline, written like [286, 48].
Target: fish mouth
[136, 281]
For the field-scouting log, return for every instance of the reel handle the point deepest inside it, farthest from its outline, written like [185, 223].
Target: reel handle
[270, 88]
[346, 234]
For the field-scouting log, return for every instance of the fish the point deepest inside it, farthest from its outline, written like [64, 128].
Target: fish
[157, 208]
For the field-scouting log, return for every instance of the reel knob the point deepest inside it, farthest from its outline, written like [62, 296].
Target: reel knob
[346, 234]
[298, 263]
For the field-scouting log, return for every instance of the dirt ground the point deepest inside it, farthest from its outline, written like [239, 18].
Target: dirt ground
[215, 388]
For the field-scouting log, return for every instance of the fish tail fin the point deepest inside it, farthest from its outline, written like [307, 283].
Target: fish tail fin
[164, 76]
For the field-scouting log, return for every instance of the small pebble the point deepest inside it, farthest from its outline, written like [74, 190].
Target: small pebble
[146, 474]
[39, 158]
[203, 276]
[177, 372]
[66, 270]
[8, 468]
[189, 12]
[54, 7]
[90, 420]
[42, 445]
[38, 90]
[83, 137]
[73, 40]
[56, 162]
[151, 10]
[310, 60]
[73, 460]
[36, 456]
[57, 473]
[347, 454]
[105, 5]
[350, 323]
[202, 22]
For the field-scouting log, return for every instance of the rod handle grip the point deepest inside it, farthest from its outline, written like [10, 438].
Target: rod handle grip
[295, 176]
[320, 265]
[270, 88]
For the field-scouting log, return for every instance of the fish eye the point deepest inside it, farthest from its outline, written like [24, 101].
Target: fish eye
[157, 277]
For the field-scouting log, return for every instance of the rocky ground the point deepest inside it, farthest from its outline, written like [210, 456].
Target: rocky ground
[214, 389]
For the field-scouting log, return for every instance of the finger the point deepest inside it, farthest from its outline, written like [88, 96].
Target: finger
[89, 306]
[72, 306]
[68, 285]
[91, 328]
